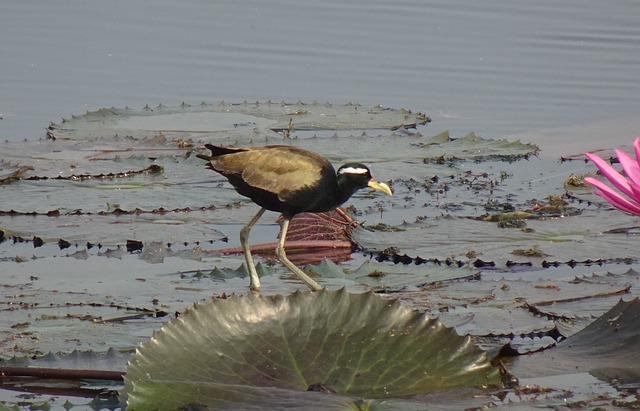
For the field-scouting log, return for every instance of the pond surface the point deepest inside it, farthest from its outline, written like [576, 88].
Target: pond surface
[562, 76]
[547, 71]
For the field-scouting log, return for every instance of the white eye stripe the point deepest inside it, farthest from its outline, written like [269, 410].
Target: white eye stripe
[353, 170]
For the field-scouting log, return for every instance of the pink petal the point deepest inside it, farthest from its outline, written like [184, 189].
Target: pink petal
[630, 166]
[636, 146]
[636, 191]
[623, 207]
[616, 178]
[613, 197]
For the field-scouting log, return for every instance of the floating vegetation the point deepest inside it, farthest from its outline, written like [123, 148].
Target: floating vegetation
[530, 252]
[11, 172]
[236, 346]
[230, 118]
[152, 169]
[114, 222]
[575, 181]
[475, 148]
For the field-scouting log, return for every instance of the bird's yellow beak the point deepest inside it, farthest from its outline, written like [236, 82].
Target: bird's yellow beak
[380, 187]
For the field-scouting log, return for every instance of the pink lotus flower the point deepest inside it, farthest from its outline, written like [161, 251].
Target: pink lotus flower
[629, 185]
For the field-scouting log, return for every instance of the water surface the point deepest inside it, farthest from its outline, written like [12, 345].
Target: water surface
[497, 68]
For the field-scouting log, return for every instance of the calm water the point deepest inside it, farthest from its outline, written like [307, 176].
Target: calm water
[541, 70]
[564, 75]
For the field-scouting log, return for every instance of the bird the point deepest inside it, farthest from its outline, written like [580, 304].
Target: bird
[288, 180]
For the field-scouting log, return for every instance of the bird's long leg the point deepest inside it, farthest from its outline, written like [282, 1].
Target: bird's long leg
[254, 280]
[282, 256]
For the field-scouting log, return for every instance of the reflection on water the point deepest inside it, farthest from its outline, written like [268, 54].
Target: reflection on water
[496, 68]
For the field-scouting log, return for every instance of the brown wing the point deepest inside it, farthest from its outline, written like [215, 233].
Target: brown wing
[278, 169]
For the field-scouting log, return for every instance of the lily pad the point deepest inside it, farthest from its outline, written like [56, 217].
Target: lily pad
[610, 343]
[475, 147]
[224, 119]
[351, 344]
[10, 172]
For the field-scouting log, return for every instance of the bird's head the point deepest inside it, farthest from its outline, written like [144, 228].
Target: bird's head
[357, 176]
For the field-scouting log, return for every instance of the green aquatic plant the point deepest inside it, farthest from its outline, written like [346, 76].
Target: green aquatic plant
[243, 350]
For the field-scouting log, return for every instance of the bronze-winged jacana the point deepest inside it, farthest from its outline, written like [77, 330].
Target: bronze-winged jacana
[288, 180]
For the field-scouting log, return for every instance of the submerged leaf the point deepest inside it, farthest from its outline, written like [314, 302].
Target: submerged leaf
[353, 344]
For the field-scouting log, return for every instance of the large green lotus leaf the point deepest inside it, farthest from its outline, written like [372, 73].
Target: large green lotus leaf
[243, 119]
[352, 344]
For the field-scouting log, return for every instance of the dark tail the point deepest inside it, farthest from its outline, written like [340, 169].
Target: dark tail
[217, 151]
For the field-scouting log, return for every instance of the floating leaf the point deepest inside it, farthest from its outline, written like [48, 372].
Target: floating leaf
[190, 121]
[610, 344]
[353, 344]
[10, 172]
[475, 147]
[392, 278]
[110, 360]
[241, 272]
[117, 227]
